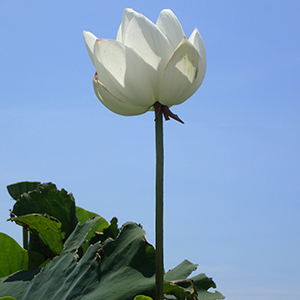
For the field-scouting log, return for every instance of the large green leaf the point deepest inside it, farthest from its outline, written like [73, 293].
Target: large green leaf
[48, 200]
[17, 189]
[13, 257]
[182, 271]
[46, 230]
[117, 269]
[83, 215]
[178, 292]
[112, 231]
[16, 284]
[201, 282]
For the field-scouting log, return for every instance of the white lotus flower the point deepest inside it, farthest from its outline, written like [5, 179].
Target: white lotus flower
[147, 63]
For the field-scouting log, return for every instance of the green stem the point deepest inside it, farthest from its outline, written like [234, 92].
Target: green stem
[159, 256]
[25, 239]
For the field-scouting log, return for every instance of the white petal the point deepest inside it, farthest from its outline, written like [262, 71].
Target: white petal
[119, 37]
[168, 23]
[113, 103]
[123, 72]
[148, 41]
[90, 40]
[198, 43]
[180, 79]
[127, 16]
[151, 45]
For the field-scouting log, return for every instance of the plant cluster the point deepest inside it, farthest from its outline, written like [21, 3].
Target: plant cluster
[72, 253]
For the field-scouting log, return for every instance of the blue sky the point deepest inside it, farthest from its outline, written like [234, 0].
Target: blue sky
[231, 171]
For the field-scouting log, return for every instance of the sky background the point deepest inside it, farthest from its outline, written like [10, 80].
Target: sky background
[231, 171]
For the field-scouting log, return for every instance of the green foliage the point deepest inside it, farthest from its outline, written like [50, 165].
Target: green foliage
[12, 256]
[117, 269]
[105, 271]
[46, 230]
[17, 189]
[181, 272]
[178, 286]
[94, 260]
[196, 285]
[83, 215]
[46, 199]
[111, 231]
[37, 212]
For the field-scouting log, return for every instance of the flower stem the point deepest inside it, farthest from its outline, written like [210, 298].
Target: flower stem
[159, 256]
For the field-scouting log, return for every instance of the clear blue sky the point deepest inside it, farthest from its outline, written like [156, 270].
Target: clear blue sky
[231, 172]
